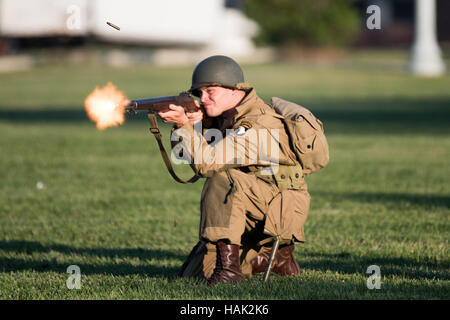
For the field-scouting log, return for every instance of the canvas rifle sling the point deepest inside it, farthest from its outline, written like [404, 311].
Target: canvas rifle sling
[155, 130]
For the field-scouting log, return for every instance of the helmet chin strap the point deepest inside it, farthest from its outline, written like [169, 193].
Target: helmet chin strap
[243, 86]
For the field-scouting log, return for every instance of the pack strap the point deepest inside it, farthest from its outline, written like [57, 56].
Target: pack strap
[155, 130]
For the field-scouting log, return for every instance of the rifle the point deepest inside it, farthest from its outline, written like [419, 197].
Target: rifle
[158, 104]
[153, 105]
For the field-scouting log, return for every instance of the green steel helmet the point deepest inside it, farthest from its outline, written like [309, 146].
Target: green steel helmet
[218, 71]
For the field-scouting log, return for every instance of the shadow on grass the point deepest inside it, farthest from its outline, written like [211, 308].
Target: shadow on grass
[119, 268]
[346, 263]
[343, 262]
[66, 115]
[427, 201]
[341, 115]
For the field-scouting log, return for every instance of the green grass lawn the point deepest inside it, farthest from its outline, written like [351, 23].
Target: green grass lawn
[106, 203]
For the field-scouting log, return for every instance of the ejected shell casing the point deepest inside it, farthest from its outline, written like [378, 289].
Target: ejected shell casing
[113, 25]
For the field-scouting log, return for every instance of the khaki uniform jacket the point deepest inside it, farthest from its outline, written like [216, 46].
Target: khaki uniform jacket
[250, 127]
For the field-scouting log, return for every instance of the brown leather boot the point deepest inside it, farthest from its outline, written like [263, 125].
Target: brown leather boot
[228, 268]
[284, 263]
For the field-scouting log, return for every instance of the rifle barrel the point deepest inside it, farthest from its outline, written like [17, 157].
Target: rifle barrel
[162, 103]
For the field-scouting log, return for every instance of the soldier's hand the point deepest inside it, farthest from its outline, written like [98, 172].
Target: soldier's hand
[175, 115]
[197, 116]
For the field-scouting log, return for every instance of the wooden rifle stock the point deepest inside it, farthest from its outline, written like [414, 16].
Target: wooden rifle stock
[162, 103]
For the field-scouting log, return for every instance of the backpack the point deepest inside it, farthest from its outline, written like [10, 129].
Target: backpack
[306, 134]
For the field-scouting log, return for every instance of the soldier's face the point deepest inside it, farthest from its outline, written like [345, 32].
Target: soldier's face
[216, 100]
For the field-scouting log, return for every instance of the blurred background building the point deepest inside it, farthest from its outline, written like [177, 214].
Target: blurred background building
[177, 31]
[210, 23]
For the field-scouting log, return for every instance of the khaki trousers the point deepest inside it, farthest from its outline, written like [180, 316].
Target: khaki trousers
[235, 206]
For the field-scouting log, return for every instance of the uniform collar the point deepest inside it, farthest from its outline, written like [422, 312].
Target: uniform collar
[246, 105]
[228, 117]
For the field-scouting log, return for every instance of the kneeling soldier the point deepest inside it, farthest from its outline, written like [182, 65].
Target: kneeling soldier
[249, 198]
